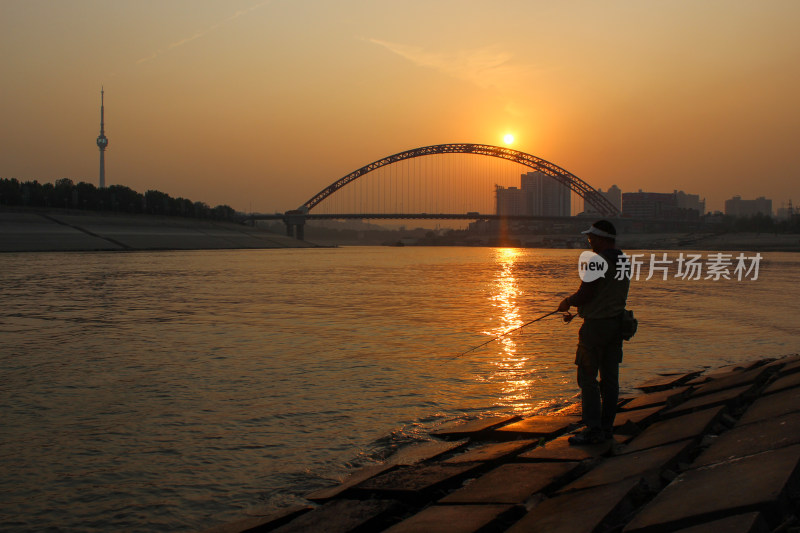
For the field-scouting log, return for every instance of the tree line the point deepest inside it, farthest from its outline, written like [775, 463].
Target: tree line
[760, 223]
[64, 193]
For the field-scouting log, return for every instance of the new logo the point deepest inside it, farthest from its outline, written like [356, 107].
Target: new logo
[591, 266]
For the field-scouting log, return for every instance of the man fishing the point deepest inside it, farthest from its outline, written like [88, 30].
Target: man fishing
[601, 304]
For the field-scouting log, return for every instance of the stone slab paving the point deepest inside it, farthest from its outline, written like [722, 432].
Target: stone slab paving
[752, 467]
[511, 483]
[772, 405]
[638, 419]
[561, 450]
[423, 451]
[354, 479]
[411, 482]
[623, 400]
[735, 379]
[261, 521]
[669, 396]
[340, 516]
[792, 365]
[728, 397]
[451, 519]
[577, 512]
[784, 382]
[646, 464]
[740, 523]
[492, 452]
[759, 363]
[665, 382]
[749, 439]
[538, 426]
[722, 371]
[471, 428]
[689, 426]
[786, 362]
[756, 483]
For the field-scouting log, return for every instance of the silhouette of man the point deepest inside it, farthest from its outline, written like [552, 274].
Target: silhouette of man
[600, 303]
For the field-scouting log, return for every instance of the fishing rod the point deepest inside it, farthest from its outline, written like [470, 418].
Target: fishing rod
[509, 331]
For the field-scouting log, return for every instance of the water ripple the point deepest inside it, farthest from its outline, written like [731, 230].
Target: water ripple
[170, 391]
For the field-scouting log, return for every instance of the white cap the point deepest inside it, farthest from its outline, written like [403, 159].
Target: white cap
[608, 231]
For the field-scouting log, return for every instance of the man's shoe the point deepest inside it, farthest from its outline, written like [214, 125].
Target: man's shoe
[587, 436]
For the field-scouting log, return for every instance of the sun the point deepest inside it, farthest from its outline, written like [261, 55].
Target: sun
[508, 138]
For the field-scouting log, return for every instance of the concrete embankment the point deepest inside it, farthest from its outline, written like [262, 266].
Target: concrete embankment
[46, 231]
[715, 452]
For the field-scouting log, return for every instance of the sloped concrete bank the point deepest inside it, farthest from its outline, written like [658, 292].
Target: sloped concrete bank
[51, 231]
[714, 452]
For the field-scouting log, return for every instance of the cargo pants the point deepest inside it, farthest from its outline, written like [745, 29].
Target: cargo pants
[599, 352]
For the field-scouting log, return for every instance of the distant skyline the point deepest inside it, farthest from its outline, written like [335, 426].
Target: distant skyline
[260, 104]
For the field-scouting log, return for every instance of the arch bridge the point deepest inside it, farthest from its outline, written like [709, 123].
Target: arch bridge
[295, 219]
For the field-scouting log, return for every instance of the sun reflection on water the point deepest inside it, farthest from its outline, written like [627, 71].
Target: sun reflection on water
[512, 369]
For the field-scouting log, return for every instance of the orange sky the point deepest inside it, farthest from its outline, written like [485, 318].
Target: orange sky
[260, 104]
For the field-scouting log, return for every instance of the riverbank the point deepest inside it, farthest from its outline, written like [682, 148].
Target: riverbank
[32, 230]
[51, 230]
[695, 452]
[745, 242]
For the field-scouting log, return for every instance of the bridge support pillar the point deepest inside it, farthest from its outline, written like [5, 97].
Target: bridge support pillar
[295, 224]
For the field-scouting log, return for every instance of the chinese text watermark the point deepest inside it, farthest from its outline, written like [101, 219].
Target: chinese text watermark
[687, 266]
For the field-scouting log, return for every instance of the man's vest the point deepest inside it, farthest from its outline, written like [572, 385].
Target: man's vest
[611, 293]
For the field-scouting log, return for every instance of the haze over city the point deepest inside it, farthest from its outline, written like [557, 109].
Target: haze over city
[259, 105]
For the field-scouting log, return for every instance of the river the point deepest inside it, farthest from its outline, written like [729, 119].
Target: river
[170, 391]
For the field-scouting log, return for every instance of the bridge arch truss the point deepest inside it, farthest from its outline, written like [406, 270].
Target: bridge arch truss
[569, 180]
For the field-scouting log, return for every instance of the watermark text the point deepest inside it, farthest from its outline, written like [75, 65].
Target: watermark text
[688, 266]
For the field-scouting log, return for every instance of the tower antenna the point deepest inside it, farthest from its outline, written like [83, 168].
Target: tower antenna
[102, 141]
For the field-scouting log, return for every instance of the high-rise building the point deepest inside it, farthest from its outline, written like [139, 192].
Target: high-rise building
[509, 201]
[690, 201]
[676, 205]
[538, 195]
[649, 204]
[746, 208]
[544, 195]
[102, 142]
[613, 195]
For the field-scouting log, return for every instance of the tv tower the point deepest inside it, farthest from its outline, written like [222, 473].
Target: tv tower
[102, 142]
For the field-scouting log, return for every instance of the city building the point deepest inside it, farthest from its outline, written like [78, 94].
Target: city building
[613, 195]
[746, 208]
[545, 196]
[509, 201]
[648, 204]
[690, 201]
[538, 195]
[676, 205]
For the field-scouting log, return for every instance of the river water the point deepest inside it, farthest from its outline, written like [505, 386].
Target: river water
[173, 390]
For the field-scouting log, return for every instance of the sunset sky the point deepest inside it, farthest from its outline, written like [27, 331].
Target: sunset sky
[260, 104]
